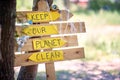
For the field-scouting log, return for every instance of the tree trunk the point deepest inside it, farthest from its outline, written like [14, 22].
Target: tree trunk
[28, 72]
[7, 23]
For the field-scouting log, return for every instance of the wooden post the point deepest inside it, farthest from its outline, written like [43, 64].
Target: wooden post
[50, 71]
[43, 6]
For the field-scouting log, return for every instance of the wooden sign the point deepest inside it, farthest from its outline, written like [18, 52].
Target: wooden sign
[42, 16]
[37, 16]
[51, 29]
[41, 45]
[68, 54]
[39, 30]
[47, 56]
[47, 43]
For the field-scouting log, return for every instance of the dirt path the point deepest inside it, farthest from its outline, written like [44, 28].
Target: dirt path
[80, 70]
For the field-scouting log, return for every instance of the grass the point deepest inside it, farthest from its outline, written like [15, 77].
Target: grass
[98, 19]
[23, 5]
[102, 48]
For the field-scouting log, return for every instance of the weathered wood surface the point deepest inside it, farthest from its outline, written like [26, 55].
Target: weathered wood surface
[50, 68]
[60, 28]
[63, 15]
[69, 54]
[70, 41]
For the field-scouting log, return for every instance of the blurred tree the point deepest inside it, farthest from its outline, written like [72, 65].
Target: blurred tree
[117, 4]
[67, 4]
[104, 4]
[7, 23]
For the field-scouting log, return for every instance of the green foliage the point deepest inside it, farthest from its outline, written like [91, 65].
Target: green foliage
[104, 4]
[24, 5]
[102, 48]
[41, 76]
[100, 18]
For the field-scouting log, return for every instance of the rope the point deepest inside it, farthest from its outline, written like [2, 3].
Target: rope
[73, 29]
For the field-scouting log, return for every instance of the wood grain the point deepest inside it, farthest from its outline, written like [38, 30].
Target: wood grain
[22, 15]
[69, 54]
[62, 27]
[70, 41]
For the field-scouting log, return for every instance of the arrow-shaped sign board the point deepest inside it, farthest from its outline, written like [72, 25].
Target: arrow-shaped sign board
[49, 56]
[42, 16]
[51, 29]
[37, 16]
[38, 30]
[48, 43]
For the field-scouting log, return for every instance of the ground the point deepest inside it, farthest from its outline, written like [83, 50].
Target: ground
[86, 70]
[81, 70]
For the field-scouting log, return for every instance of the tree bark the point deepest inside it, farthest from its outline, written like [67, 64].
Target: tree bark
[7, 23]
[28, 73]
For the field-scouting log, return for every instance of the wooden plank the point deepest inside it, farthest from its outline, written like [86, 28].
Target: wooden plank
[43, 5]
[51, 29]
[69, 54]
[47, 56]
[50, 68]
[48, 43]
[42, 16]
[70, 41]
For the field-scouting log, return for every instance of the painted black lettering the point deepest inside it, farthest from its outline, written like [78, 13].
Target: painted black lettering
[43, 29]
[42, 57]
[34, 31]
[37, 17]
[47, 55]
[41, 16]
[37, 44]
[38, 30]
[45, 15]
[42, 46]
[53, 42]
[52, 55]
[57, 54]
[46, 43]
[38, 56]
[32, 16]
[59, 41]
